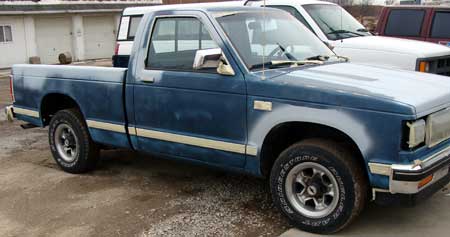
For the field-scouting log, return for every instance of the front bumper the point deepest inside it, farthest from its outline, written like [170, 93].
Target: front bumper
[417, 178]
[9, 111]
[386, 198]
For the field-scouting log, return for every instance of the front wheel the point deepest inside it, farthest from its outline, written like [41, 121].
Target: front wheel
[70, 142]
[318, 186]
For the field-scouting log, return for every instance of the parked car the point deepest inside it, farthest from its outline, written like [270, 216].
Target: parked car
[418, 22]
[335, 26]
[224, 86]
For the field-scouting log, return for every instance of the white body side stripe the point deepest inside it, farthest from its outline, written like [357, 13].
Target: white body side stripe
[106, 126]
[27, 112]
[196, 141]
[171, 137]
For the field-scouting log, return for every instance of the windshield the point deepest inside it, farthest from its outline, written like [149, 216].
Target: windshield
[275, 35]
[335, 22]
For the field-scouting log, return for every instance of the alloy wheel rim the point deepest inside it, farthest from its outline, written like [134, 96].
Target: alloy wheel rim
[66, 142]
[312, 190]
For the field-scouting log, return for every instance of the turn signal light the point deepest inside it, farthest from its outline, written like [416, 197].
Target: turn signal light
[424, 67]
[425, 181]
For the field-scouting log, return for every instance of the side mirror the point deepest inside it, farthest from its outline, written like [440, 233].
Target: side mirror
[210, 59]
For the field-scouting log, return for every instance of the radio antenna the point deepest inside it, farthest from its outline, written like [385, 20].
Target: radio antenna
[264, 42]
[342, 39]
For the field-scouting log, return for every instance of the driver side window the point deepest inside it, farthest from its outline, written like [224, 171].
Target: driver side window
[174, 43]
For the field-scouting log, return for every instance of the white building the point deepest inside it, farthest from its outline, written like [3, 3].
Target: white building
[46, 28]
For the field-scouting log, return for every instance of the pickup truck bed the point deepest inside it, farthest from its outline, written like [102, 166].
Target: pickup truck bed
[98, 91]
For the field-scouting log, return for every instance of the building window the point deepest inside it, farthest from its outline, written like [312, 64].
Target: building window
[5, 34]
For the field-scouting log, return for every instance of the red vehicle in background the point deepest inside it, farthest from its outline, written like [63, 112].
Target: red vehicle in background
[425, 23]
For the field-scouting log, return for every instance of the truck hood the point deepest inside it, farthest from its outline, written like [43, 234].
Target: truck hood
[417, 48]
[366, 87]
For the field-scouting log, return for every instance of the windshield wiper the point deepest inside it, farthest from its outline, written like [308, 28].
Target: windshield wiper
[362, 30]
[344, 32]
[288, 55]
[270, 65]
[324, 58]
[319, 57]
[291, 63]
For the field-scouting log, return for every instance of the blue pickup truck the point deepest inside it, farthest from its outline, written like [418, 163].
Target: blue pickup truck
[252, 90]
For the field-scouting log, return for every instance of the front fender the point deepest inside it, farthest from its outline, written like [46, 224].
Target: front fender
[377, 135]
[263, 122]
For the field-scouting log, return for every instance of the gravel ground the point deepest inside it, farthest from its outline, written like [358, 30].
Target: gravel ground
[130, 194]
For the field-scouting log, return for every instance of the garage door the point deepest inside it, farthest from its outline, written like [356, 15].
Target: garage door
[99, 36]
[53, 37]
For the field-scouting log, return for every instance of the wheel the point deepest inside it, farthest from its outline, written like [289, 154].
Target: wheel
[70, 142]
[318, 186]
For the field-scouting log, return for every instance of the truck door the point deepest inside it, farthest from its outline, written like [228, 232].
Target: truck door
[184, 112]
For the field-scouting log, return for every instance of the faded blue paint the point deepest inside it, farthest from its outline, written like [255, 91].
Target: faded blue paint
[205, 155]
[114, 139]
[96, 90]
[29, 119]
[368, 104]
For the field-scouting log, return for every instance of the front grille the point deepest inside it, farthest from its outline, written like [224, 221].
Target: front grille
[440, 65]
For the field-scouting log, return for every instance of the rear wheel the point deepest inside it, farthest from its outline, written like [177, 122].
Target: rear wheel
[70, 142]
[318, 185]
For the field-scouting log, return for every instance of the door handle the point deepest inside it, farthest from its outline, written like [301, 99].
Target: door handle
[147, 79]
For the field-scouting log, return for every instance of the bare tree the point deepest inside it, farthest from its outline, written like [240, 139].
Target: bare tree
[364, 7]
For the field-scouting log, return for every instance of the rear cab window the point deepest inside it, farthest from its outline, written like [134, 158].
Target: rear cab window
[441, 25]
[405, 22]
[174, 43]
[128, 27]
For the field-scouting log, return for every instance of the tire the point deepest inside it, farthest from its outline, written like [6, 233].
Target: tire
[334, 189]
[70, 142]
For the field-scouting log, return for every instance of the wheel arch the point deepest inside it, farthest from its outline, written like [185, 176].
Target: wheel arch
[53, 102]
[284, 134]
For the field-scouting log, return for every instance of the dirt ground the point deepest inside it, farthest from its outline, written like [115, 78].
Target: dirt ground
[133, 194]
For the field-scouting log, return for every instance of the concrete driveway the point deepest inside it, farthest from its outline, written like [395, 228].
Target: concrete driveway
[431, 218]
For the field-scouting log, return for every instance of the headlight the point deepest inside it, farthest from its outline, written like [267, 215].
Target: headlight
[438, 126]
[417, 131]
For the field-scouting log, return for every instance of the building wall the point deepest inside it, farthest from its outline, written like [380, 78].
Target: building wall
[85, 36]
[15, 51]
